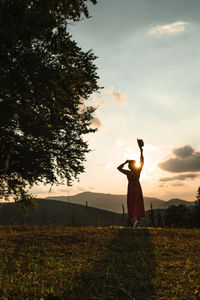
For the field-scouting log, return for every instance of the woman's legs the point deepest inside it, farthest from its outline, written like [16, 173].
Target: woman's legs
[135, 222]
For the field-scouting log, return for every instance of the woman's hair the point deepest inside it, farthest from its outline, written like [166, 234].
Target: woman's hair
[132, 164]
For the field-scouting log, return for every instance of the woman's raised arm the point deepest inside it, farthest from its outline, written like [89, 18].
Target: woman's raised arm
[141, 158]
[120, 168]
[141, 144]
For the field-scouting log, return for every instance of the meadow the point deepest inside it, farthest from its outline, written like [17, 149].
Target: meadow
[79, 263]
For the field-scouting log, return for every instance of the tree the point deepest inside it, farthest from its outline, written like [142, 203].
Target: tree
[45, 79]
[178, 216]
[152, 216]
[196, 213]
[159, 219]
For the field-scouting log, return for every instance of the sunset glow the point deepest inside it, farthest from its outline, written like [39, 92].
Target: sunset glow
[137, 164]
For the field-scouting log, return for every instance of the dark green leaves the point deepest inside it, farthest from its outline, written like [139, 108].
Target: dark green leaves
[44, 79]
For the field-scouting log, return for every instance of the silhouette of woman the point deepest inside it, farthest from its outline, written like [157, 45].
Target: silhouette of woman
[135, 202]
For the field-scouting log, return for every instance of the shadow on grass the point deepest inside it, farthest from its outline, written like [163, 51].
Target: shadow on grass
[78, 263]
[125, 271]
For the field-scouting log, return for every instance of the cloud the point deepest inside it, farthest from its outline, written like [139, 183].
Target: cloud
[96, 123]
[151, 148]
[179, 177]
[177, 184]
[186, 160]
[97, 100]
[91, 188]
[169, 29]
[118, 98]
[183, 152]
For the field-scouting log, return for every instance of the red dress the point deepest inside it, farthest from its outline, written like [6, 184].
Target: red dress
[135, 202]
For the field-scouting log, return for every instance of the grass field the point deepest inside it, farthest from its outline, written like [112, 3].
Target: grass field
[99, 263]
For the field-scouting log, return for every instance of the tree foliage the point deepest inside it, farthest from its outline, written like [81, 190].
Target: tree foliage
[159, 220]
[184, 216]
[152, 216]
[179, 216]
[197, 209]
[45, 79]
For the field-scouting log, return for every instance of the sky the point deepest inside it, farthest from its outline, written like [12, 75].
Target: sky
[148, 63]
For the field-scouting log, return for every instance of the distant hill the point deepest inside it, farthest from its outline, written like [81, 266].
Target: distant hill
[114, 203]
[50, 212]
[53, 211]
[177, 202]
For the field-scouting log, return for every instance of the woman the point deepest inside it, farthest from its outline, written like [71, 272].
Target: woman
[135, 202]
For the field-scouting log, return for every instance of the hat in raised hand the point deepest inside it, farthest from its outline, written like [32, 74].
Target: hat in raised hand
[140, 143]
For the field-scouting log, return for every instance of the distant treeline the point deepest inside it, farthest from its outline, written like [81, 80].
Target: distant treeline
[180, 216]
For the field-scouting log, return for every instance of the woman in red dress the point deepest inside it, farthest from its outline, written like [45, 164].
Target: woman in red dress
[135, 202]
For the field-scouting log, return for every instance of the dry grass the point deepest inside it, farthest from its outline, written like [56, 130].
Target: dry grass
[99, 263]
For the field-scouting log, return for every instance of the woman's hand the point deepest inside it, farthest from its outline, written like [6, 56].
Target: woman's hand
[140, 143]
[127, 161]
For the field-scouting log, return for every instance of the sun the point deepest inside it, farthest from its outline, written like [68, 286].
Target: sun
[137, 164]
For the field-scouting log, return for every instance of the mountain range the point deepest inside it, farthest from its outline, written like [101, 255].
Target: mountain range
[114, 203]
[83, 209]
